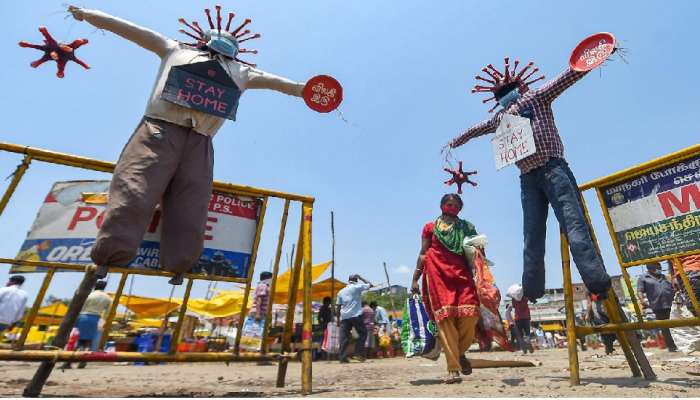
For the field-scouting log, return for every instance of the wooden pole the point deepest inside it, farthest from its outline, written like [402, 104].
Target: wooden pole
[275, 272]
[16, 177]
[574, 377]
[249, 280]
[35, 386]
[180, 318]
[291, 305]
[112, 312]
[332, 261]
[307, 333]
[388, 285]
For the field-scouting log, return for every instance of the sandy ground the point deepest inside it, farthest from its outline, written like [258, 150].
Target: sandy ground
[601, 376]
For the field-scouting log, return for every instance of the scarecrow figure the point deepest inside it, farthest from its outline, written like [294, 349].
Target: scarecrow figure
[545, 175]
[169, 159]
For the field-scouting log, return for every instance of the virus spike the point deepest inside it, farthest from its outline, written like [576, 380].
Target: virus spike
[80, 62]
[190, 35]
[497, 72]
[198, 28]
[61, 68]
[246, 22]
[30, 45]
[208, 12]
[40, 61]
[484, 79]
[531, 82]
[491, 74]
[78, 43]
[534, 71]
[65, 48]
[230, 18]
[49, 39]
[494, 107]
[256, 36]
[528, 66]
[248, 51]
[515, 68]
[218, 17]
[489, 99]
[245, 32]
[483, 88]
[195, 29]
[507, 73]
[245, 62]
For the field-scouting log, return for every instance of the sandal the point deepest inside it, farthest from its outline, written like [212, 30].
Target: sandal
[452, 377]
[465, 365]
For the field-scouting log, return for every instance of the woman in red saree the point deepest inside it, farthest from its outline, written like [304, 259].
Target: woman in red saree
[449, 292]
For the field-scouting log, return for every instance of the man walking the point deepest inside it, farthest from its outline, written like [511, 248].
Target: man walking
[12, 302]
[656, 292]
[95, 308]
[350, 311]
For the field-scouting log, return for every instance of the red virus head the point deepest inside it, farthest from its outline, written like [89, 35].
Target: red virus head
[500, 84]
[218, 38]
[56, 51]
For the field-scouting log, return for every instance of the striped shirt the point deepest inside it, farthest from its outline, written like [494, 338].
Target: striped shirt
[536, 105]
[262, 298]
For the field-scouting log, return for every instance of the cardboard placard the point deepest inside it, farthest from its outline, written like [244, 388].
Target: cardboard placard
[513, 140]
[204, 87]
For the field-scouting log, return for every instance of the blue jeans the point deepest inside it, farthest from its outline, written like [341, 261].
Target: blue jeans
[555, 184]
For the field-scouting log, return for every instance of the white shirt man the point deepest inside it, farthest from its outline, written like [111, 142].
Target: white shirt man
[13, 300]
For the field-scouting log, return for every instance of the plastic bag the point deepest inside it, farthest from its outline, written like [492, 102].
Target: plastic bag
[515, 292]
[687, 338]
[418, 333]
[331, 339]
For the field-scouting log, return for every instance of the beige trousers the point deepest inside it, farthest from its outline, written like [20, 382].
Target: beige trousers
[456, 335]
[164, 164]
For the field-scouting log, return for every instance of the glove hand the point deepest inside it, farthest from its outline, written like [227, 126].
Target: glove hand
[77, 13]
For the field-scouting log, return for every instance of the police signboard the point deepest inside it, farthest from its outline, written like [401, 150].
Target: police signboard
[72, 213]
[656, 214]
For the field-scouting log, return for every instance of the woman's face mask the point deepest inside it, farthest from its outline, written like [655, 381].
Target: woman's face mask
[450, 209]
[509, 98]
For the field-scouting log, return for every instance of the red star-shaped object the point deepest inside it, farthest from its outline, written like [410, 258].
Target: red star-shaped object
[459, 177]
[59, 52]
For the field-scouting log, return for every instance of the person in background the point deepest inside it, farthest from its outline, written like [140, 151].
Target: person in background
[13, 300]
[325, 314]
[368, 316]
[516, 339]
[691, 266]
[96, 306]
[349, 308]
[541, 343]
[262, 296]
[522, 323]
[381, 318]
[597, 316]
[656, 292]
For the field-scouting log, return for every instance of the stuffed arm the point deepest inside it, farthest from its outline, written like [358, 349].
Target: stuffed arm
[482, 128]
[552, 89]
[258, 79]
[144, 37]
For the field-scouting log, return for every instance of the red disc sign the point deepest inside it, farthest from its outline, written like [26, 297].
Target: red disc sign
[592, 51]
[323, 93]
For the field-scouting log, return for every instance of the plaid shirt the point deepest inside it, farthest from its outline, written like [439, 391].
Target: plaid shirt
[537, 106]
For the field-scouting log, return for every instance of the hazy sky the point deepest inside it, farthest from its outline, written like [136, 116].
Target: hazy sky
[407, 68]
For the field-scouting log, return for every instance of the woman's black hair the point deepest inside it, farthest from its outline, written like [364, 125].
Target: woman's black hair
[451, 196]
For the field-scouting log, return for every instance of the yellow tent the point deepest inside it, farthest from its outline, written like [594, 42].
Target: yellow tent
[319, 290]
[57, 309]
[148, 307]
[226, 302]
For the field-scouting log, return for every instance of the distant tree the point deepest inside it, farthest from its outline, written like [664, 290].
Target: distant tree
[385, 299]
